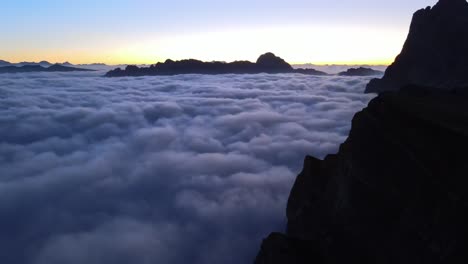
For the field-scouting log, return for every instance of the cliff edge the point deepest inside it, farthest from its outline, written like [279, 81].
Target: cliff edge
[434, 53]
[395, 192]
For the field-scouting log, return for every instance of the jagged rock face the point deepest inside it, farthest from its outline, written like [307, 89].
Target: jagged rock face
[435, 53]
[395, 193]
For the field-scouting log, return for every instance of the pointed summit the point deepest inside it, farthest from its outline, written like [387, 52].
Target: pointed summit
[434, 54]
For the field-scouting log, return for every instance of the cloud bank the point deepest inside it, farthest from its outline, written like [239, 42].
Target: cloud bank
[143, 170]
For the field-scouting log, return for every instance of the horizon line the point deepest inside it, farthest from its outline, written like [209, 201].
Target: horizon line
[331, 63]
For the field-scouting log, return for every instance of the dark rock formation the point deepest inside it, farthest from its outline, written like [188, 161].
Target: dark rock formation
[4, 63]
[61, 68]
[270, 63]
[38, 68]
[395, 192]
[435, 53]
[279, 248]
[361, 71]
[310, 72]
[45, 64]
[267, 63]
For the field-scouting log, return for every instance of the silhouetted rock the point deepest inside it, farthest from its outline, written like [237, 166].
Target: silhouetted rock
[310, 72]
[61, 68]
[267, 63]
[361, 71]
[29, 63]
[435, 53]
[395, 192]
[45, 64]
[38, 68]
[4, 63]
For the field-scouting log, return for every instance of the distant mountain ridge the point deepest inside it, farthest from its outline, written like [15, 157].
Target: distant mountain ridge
[45, 63]
[311, 69]
[361, 71]
[39, 68]
[338, 68]
[266, 63]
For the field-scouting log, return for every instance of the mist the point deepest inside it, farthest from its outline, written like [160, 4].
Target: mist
[191, 168]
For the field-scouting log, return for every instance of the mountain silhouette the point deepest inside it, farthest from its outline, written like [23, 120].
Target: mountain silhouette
[396, 190]
[38, 68]
[266, 63]
[435, 53]
[4, 63]
[361, 71]
[394, 193]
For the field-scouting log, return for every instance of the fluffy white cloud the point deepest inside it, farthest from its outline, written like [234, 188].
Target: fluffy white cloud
[174, 169]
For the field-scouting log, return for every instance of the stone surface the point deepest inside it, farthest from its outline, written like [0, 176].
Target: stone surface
[435, 53]
[395, 192]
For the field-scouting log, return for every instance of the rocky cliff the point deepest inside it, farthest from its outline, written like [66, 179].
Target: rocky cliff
[395, 192]
[434, 53]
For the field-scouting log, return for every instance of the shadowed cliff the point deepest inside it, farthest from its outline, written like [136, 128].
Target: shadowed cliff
[396, 190]
[435, 53]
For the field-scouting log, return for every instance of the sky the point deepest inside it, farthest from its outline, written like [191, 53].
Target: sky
[148, 31]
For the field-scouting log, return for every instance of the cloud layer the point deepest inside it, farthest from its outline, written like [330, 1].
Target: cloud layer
[183, 169]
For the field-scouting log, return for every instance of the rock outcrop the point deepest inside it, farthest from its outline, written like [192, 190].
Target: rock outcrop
[266, 63]
[395, 192]
[435, 53]
[361, 71]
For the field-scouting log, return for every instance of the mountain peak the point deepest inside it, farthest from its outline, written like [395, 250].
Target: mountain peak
[434, 54]
[273, 62]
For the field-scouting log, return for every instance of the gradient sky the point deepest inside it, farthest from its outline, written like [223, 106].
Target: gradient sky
[147, 31]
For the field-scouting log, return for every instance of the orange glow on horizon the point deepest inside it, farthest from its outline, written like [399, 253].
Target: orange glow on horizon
[111, 61]
[322, 45]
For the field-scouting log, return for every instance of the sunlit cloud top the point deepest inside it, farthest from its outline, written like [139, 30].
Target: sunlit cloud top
[144, 31]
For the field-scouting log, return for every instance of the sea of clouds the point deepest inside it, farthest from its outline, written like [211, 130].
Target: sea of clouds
[184, 169]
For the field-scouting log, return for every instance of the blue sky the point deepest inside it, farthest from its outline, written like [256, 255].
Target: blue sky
[144, 31]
